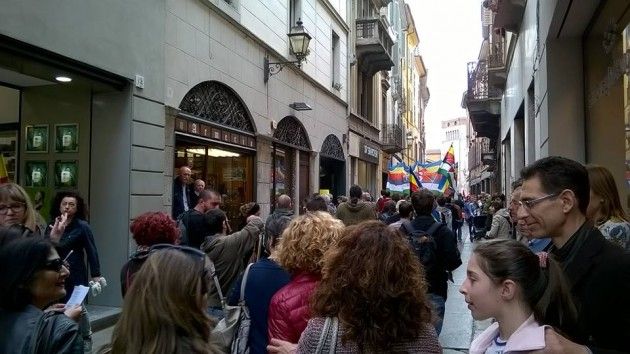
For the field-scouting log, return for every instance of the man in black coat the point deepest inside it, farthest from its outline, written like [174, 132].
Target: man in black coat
[554, 198]
[447, 255]
[183, 193]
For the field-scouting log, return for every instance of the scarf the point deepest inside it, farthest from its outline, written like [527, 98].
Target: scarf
[567, 253]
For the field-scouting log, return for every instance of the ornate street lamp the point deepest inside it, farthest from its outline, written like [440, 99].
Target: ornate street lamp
[299, 40]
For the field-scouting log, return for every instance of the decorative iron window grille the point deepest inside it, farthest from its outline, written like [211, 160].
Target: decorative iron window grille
[291, 131]
[217, 103]
[332, 148]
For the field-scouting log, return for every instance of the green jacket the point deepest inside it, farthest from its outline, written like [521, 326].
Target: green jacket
[351, 213]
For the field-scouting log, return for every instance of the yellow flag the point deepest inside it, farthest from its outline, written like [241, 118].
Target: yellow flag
[4, 176]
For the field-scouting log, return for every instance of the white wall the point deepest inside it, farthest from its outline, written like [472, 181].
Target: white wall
[268, 21]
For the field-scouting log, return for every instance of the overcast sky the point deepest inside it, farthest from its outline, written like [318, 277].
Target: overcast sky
[450, 37]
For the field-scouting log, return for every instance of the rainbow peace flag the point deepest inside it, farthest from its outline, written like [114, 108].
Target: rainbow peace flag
[398, 178]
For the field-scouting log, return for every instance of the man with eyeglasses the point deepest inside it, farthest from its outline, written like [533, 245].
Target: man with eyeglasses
[554, 198]
[534, 244]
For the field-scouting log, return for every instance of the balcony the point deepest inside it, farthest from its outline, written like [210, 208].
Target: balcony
[508, 13]
[483, 101]
[497, 73]
[382, 3]
[392, 138]
[374, 46]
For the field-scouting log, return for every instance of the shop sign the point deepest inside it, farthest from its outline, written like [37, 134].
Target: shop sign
[210, 132]
[369, 152]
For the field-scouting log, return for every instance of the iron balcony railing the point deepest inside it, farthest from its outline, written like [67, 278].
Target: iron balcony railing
[496, 54]
[392, 137]
[478, 87]
[370, 29]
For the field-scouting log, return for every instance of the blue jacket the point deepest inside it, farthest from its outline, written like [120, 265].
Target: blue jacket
[265, 278]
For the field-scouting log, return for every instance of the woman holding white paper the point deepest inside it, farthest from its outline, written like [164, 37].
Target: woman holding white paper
[32, 277]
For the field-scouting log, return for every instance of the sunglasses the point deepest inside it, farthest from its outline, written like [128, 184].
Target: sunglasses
[55, 265]
[193, 253]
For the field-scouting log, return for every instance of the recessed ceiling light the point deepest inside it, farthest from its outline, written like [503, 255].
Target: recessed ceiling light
[63, 79]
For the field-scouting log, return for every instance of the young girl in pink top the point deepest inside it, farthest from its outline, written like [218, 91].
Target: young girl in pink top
[522, 291]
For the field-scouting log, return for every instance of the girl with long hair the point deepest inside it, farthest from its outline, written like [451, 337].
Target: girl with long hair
[164, 310]
[521, 291]
[605, 209]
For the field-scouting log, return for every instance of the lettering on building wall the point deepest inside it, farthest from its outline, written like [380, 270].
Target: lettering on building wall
[210, 132]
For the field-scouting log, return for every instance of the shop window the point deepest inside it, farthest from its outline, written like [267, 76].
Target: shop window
[228, 171]
[282, 173]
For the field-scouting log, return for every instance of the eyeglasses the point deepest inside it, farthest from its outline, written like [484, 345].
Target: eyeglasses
[15, 208]
[55, 265]
[194, 253]
[529, 204]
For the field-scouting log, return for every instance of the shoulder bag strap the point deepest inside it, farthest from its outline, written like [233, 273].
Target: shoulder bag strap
[433, 228]
[322, 336]
[216, 283]
[333, 339]
[241, 299]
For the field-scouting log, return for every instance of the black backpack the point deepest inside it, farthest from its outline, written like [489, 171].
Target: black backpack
[423, 243]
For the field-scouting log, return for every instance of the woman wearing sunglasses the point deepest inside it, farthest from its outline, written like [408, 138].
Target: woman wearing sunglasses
[32, 277]
[165, 308]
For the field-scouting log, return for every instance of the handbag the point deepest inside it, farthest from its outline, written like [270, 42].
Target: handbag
[232, 332]
[328, 339]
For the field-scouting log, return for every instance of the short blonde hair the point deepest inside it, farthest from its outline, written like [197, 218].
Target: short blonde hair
[306, 239]
[11, 192]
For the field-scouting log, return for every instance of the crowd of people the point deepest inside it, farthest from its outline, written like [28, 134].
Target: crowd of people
[347, 275]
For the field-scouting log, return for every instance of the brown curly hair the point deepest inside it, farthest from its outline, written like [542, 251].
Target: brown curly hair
[304, 241]
[375, 285]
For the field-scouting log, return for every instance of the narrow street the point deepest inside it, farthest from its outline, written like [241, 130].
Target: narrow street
[459, 327]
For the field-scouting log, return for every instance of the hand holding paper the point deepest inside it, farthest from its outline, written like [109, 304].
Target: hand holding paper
[78, 295]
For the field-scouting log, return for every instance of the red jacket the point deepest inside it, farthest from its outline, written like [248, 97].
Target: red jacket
[289, 307]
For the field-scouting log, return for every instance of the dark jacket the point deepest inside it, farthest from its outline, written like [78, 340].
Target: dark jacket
[130, 269]
[57, 334]
[448, 257]
[599, 276]
[178, 197]
[78, 237]
[196, 228]
[289, 308]
[265, 278]
[277, 214]
[353, 213]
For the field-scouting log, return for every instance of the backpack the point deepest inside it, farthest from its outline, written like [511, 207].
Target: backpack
[423, 243]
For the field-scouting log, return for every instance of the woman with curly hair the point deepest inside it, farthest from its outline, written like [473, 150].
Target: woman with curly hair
[300, 252]
[165, 308]
[371, 299]
[148, 229]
